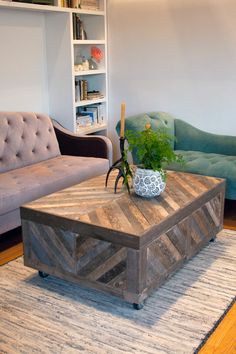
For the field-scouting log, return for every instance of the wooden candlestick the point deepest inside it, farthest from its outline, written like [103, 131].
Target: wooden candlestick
[122, 121]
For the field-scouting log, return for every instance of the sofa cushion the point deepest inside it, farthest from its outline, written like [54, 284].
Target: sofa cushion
[31, 182]
[215, 165]
[25, 138]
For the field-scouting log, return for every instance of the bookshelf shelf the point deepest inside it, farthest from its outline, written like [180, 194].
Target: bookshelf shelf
[47, 8]
[92, 129]
[89, 72]
[89, 102]
[89, 41]
[32, 7]
[89, 12]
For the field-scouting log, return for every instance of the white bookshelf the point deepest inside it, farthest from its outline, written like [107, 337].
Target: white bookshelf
[58, 59]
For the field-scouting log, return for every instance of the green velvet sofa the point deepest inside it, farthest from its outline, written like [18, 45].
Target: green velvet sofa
[204, 153]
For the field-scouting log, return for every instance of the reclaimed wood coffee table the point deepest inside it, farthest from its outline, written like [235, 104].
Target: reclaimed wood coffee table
[119, 243]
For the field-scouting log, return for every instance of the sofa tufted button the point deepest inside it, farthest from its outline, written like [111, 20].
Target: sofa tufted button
[33, 151]
[6, 141]
[17, 154]
[23, 119]
[22, 137]
[37, 133]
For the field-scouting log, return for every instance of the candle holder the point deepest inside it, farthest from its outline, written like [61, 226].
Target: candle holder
[122, 166]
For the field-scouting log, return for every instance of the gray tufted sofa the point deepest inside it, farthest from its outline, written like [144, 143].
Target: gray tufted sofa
[38, 157]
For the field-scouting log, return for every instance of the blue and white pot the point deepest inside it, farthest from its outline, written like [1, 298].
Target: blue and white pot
[148, 183]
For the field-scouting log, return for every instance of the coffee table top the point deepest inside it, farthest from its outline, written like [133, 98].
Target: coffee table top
[91, 209]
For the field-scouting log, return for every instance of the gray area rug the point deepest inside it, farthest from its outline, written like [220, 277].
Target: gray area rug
[53, 316]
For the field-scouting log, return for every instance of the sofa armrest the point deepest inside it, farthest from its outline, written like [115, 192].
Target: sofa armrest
[86, 145]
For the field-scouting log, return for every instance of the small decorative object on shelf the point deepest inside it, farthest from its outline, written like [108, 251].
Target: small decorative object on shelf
[92, 64]
[97, 54]
[122, 164]
[96, 57]
[83, 64]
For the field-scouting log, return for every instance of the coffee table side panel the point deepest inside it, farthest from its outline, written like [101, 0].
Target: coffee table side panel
[47, 248]
[169, 251]
[86, 260]
[205, 223]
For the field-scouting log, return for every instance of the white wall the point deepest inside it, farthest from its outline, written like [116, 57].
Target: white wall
[177, 56]
[23, 76]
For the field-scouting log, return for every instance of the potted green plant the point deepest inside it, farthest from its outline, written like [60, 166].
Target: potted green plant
[154, 151]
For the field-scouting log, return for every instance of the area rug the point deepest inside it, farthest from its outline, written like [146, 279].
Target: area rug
[54, 316]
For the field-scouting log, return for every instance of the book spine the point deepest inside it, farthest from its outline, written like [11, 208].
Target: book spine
[74, 26]
[81, 90]
[85, 90]
[78, 27]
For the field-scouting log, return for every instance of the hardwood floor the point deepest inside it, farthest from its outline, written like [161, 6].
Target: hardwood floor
[230, 214]
[11, 245]
[222, 341]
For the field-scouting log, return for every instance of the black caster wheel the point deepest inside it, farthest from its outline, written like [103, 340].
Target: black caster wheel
[138, 306]
[43, 274]
[213, 239]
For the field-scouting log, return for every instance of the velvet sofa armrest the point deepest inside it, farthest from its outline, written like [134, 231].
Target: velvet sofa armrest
[86, 145]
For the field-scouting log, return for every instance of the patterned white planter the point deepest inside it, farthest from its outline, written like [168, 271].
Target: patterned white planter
[148, 183]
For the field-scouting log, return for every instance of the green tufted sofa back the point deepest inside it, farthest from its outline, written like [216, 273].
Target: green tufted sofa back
[156, 119]
[189, 138]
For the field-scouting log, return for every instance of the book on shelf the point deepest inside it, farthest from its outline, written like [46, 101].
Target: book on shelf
[92, 114]
[83, 89]
[83, 120]
[94, 95]
[84, 94]
[99, 109]
[78, 28]
[96, 113]
[89, 4]
[37, 2]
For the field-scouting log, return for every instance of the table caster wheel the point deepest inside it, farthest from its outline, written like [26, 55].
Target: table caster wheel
[138, 306]
[43, 274]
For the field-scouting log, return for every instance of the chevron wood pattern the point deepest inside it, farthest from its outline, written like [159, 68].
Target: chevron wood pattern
[121, 243]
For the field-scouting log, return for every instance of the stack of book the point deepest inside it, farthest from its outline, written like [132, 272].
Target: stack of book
[84, 94]
[94, 95]
[83, 121]
[90, 115]
[89, 4]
